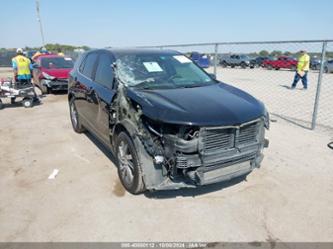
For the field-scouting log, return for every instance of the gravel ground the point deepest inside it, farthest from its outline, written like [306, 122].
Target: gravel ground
[290, 198]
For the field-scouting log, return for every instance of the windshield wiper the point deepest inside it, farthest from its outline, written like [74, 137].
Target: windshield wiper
[146, 84]
[197, 85]
[192, 86]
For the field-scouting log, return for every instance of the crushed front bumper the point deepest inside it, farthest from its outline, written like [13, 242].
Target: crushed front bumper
[202, 176]
[222, 153]
[57, 84]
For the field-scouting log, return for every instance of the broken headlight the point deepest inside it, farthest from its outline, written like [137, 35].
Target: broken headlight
[47, 76]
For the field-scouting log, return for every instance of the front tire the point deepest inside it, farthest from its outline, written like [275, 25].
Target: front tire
[75, 119]
[243, 65]
[129, 165]
[326, 70]
[27, 102]
[44, 88]
[224, 64]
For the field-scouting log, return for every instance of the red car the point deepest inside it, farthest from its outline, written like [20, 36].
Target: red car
[51, 72]
[281, 62]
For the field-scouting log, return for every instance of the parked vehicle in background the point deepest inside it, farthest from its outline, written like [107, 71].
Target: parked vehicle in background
[315, 64]
[258, 61]
[281, 62]
[140, 104]
[51, 72]
[328, 68]
[202, 60]
[235, 60]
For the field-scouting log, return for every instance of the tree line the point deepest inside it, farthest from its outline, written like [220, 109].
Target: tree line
[50, 47]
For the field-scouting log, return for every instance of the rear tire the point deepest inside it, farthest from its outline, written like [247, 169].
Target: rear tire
[1, 104]
[129, 164]
[293, 68]
[75, 118]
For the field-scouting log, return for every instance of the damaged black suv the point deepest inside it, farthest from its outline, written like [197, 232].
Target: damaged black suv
[169, 123]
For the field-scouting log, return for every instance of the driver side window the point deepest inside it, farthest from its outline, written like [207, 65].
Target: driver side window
[104, 71]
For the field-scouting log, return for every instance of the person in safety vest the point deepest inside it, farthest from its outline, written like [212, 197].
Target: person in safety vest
[22, 68]
[303, 66]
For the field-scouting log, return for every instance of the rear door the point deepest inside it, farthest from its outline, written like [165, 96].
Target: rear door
[237, 60]
[103, 91]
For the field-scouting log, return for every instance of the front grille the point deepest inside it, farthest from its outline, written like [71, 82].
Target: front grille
[217, 139]
[225, 162]
[248, 134]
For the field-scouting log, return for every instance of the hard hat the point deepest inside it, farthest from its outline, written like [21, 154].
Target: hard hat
[19, 51]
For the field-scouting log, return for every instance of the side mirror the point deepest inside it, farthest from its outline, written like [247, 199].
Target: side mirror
[213, 76]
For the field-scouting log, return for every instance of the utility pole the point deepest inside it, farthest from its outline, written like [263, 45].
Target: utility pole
[40, 22]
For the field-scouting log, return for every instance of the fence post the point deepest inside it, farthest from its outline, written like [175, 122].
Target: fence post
[215, 59]
[320, 76]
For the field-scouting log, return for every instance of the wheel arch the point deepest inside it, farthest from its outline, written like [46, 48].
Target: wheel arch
[125, 126]
[152, 175]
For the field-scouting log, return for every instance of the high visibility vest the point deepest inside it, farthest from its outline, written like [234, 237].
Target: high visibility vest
[23, 65]
[303, 63]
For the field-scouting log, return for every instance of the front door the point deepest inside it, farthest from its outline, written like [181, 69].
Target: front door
[103, 93]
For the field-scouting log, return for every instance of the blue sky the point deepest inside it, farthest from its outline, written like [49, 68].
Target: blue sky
[102, 23]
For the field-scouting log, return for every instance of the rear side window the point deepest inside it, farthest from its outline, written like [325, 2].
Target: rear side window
[104, 72]
[89, 63]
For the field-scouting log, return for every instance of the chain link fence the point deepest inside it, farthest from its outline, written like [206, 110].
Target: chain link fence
[267, 70]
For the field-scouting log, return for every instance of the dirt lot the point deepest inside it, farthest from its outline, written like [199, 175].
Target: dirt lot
[290, 198]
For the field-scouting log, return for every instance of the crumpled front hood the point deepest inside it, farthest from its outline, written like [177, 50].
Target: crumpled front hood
[213, 105]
